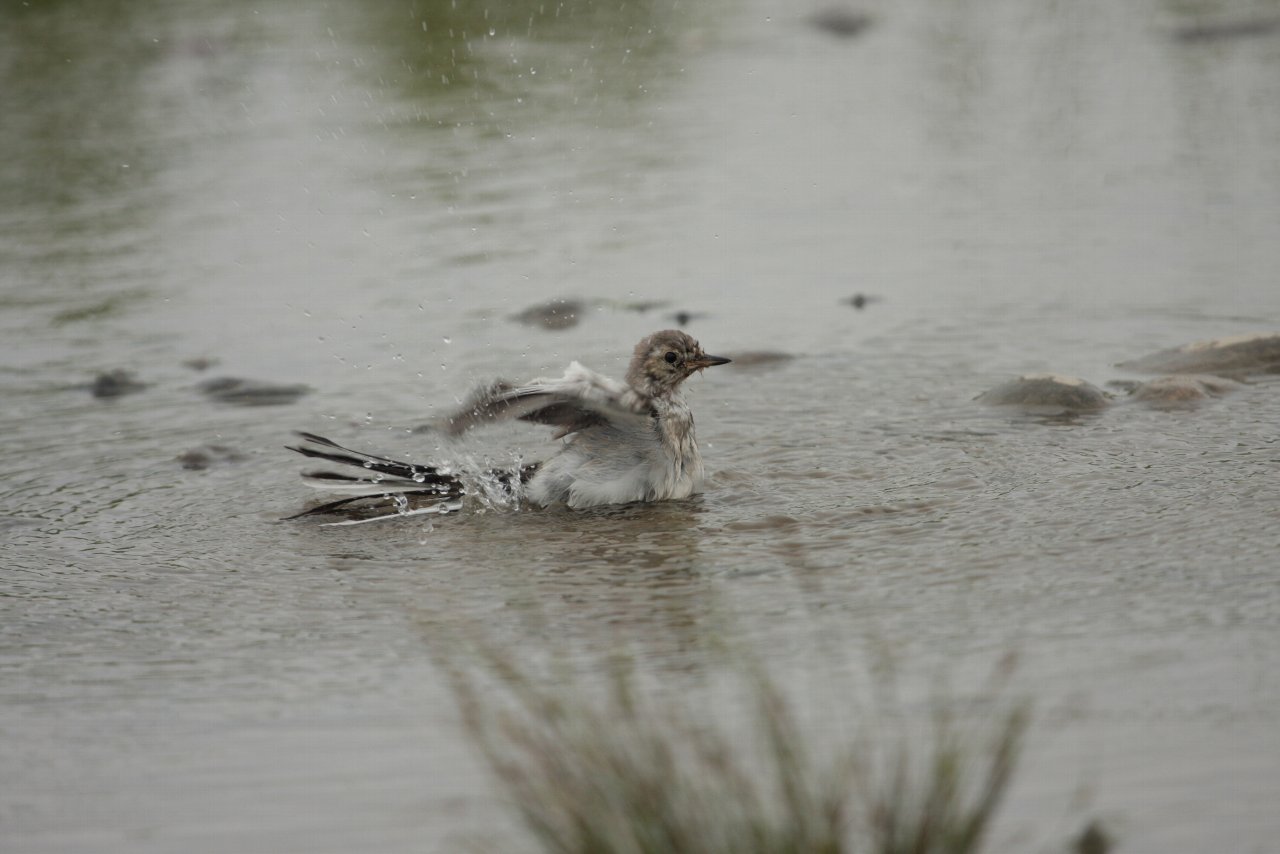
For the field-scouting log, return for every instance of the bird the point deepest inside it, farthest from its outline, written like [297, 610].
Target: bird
[628, 441]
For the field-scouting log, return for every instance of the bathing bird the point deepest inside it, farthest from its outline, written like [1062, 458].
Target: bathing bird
[622, 441]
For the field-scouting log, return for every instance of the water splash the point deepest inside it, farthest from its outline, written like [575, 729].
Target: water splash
[439, 508]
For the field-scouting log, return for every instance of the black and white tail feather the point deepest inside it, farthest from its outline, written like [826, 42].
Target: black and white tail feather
[410, 489]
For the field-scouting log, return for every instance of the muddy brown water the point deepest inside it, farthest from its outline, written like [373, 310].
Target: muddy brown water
[357, 198]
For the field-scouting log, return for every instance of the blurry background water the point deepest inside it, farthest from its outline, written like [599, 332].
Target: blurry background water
[359, 196]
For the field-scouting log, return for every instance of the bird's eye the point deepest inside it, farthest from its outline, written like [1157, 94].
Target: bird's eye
[670, 357]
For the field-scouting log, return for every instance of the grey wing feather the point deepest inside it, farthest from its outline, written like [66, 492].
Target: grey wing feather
[579, 399]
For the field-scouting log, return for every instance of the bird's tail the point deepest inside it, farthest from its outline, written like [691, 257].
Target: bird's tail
[404, 487]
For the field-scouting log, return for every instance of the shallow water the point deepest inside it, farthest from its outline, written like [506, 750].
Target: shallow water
[345, 198]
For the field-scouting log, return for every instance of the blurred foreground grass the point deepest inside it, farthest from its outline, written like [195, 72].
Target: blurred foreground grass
[639, 769]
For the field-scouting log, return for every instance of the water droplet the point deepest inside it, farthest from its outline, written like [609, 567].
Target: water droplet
[447, 340]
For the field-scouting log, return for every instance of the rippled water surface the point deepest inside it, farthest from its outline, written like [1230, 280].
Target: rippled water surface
[358, 197]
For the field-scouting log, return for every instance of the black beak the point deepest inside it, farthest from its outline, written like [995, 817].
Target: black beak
[705, 361]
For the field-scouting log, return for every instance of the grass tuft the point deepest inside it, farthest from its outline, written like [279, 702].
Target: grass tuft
[632, 770]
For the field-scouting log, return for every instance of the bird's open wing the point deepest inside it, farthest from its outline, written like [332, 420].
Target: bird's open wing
[580, 399]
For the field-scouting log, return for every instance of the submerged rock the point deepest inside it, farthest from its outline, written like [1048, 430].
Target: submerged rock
[567, 312]
[556, 314]
[1239, 355]
[1047, 391]
[251, 392]
[639, 306]
[684, 318]
[115, 383]
[1182, 389]
[200, 363]
[1223, 30]
[199, 459]
[840, 21]
[860, 301]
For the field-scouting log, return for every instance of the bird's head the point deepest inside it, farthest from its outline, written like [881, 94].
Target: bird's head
[665, 359]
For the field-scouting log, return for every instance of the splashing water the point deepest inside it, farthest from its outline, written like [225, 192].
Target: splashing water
[491, 486]
[439, 508]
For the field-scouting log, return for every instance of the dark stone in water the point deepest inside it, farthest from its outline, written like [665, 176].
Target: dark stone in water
[684, 318]
[251, 392]
[1181, 389]
[642, 306]
[840, 21]
[200, 363]
[557, 314]
[1047, 391]
[114, 384]
[1215, 31]
[199, 459]
[1239, 355]
[860, 301]
[566, 312]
